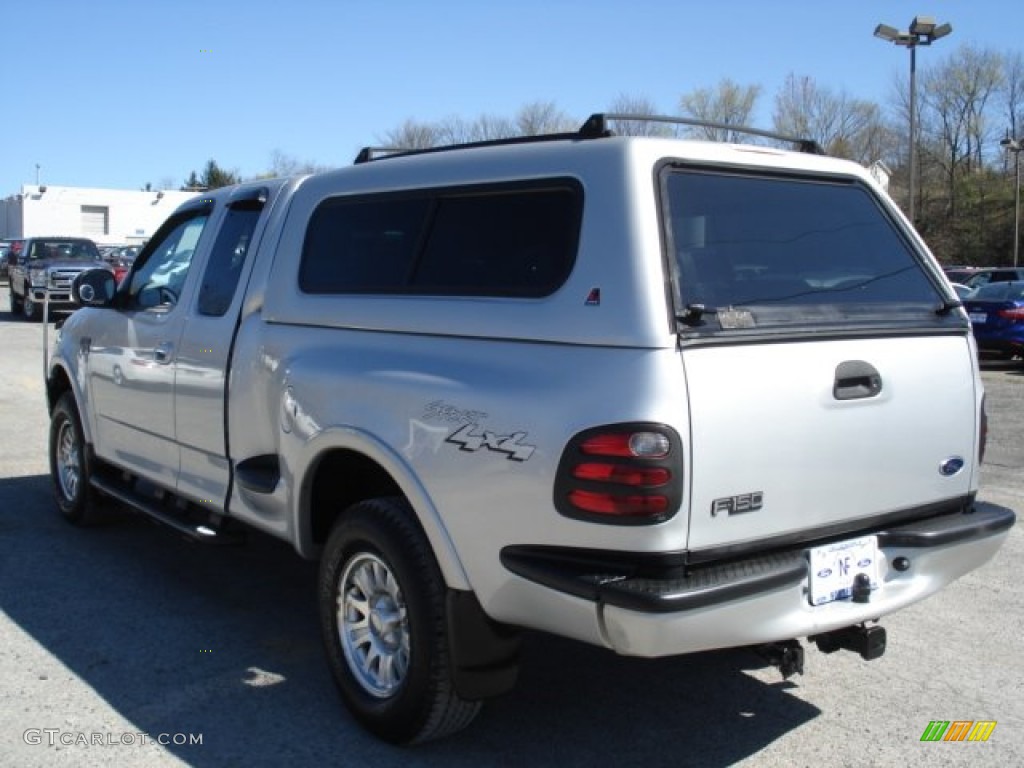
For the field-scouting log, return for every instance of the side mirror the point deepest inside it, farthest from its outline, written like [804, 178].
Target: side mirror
[94, 288]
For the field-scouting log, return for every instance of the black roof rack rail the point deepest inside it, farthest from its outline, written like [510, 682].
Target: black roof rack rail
[366, 154]
[596, 126]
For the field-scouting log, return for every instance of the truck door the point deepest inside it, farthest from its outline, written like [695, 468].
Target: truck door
[132, 351]
[204, 354]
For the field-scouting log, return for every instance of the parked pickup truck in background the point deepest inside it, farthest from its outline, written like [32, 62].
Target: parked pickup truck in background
[656, 395]
[42, 269]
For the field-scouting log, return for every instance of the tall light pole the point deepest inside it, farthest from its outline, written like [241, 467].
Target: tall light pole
[1013, 145]
[923, 31]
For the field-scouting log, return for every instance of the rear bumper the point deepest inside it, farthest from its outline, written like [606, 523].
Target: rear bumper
[649, 606]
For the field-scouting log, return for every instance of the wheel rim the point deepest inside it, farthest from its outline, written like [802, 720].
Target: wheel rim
[69, 465]
[372, 625]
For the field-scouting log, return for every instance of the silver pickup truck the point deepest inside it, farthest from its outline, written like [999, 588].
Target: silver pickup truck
[657, 395]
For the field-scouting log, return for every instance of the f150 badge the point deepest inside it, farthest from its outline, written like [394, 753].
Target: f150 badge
[471, 438]
[734, 505]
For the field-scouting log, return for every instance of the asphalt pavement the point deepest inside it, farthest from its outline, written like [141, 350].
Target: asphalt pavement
[127, 646]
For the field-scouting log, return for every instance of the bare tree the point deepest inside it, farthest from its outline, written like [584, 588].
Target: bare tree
[282, 164]
[455, 130]
[956, 127]
[491, 127]
[542, 117]
[412, 135]
[1013, 93]
[728, 103]
[844, 126]
[637, 105]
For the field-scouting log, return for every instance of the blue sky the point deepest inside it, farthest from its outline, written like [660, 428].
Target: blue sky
[118, 93]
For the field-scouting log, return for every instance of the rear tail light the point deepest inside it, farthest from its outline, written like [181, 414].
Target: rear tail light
[621, 473]
[1016, 313]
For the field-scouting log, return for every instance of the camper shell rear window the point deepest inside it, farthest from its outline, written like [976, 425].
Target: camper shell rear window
[752, 250]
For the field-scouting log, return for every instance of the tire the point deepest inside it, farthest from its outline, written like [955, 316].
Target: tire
[30, 308]
[69, 465]
[382, 614]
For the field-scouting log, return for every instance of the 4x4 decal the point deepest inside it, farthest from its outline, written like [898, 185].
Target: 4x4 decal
[469, 438]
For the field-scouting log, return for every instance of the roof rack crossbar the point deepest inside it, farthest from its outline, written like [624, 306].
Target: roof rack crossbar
[597, 126]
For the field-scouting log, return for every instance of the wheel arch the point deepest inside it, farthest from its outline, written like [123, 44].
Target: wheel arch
[371, 469]
[59, 381]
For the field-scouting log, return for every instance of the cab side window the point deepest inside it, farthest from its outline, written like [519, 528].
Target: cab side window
[227, 259]
[159, 280]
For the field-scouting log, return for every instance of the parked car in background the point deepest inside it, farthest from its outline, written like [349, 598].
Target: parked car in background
[44, 267]
[996, 311]
[985, 275]
[121, 258]
[959, 274]
[962, 291]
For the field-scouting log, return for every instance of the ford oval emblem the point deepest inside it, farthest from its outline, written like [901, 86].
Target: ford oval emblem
[824, 573]
[864, 563]
[951, 466]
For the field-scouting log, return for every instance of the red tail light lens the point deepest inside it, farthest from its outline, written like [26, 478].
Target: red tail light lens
[610, 504]
[621, 473]
[1017, 313]
[641, 477]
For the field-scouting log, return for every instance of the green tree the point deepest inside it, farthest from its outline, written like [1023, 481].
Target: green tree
[214, 176]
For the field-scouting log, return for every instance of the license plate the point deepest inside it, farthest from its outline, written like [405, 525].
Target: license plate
[977, 317]
[835, 566]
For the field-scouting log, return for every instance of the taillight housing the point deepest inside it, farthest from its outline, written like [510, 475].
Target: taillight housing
[623, 474]
[982, 431]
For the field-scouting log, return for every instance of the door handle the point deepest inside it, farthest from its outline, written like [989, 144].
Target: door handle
[162, 352]
[856, 380]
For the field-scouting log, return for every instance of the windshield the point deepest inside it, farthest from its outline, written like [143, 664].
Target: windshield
[76, 250]
[783, 250]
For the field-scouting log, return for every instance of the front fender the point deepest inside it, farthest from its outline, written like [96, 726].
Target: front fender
[62, 375]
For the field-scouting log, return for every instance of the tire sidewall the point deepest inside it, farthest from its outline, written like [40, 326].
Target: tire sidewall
[74, 509]
[398, 718]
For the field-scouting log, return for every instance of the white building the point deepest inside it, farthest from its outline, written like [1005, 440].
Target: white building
[107, 216]
[881, 172]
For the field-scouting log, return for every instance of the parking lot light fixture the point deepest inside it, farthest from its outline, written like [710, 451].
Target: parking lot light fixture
[1013, 145]
[922, 31]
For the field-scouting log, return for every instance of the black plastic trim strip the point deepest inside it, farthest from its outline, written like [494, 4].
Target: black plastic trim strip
[689, 338]
[980, 521]
[638, 589]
